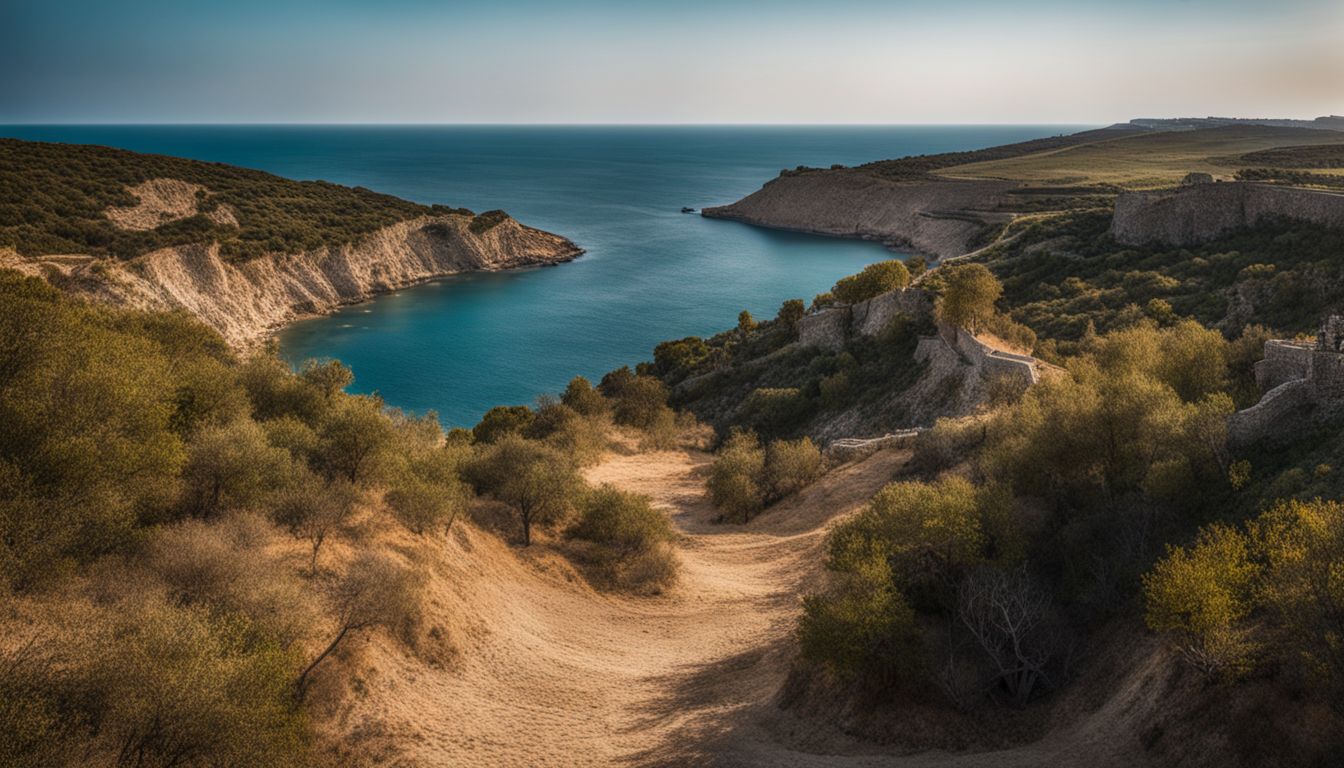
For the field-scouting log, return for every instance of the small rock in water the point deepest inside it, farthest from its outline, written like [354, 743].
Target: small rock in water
[685, 209]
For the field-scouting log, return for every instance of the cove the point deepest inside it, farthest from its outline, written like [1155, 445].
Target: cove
[460, 345]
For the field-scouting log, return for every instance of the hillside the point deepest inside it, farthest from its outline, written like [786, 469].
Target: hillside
[244, 251]
[948, 205]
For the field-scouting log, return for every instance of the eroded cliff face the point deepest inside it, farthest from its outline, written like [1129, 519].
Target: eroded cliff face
[246, 301]
[939, 218]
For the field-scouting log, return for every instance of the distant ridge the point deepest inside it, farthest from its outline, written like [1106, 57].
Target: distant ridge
[1329, 122]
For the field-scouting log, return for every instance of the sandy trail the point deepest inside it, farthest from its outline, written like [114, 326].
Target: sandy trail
[550, 673]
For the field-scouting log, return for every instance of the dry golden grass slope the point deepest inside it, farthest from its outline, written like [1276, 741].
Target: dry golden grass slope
[1146, 160]
[544, 671]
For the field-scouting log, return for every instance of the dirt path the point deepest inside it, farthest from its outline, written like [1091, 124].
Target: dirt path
[550, 673]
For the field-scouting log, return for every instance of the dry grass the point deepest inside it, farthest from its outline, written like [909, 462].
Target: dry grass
[1147, 160]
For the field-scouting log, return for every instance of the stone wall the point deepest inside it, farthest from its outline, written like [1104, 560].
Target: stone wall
[828, 329]
[1303, 385]
[1284, 361]
[1196, 213]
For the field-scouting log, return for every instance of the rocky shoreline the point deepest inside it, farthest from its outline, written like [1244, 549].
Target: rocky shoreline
[246, 302]
[941, 219]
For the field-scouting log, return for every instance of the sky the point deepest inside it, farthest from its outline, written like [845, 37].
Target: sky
[672, 61]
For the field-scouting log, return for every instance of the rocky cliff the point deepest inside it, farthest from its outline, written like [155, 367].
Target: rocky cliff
[1197, 213]
[247, 300]
[940, 218]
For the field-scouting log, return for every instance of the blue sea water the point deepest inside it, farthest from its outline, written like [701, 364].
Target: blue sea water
[463, 344]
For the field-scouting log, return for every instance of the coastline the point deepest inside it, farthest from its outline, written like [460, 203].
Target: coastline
[249, 302]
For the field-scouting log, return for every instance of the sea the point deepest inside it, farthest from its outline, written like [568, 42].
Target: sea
[463, 344]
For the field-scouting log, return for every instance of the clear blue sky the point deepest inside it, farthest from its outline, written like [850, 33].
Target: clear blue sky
[673, 61]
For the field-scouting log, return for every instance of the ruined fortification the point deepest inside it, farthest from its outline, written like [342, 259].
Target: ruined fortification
[1198, 212]
[951, 352]
[1302, 382]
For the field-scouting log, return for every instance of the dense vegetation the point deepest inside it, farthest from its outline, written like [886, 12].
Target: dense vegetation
[1064, 274]
[53, 198]
[167, 513]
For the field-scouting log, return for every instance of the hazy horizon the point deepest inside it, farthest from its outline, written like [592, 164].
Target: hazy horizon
[600, 62]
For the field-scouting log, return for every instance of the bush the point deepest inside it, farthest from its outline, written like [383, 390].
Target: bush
[160, 684]
[862, 628]
[353, 440]
[642, 403]
[624, 522]
[791, 315]
[874, 280]
[625, 541]
[734, 477]
[928, 533]
[790, 466]
[502, 420]
[580, 395]
[1200, 595]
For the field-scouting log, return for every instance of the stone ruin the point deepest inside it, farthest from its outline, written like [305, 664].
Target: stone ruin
[1302, 382]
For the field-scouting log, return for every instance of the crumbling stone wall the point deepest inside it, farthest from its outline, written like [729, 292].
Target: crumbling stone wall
[1285, 360]
[1196, 213]
[1302, 383]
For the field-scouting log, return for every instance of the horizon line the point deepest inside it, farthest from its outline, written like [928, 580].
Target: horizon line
[487, 124]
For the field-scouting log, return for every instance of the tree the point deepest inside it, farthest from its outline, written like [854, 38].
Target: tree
[502, 420]
[745, 322]
[791, 314]
[375, 592]
[1009, 618]
[930, 533]
[874, 280]
[538, 481]
[641, 402]
[353, 437]
[1301, 547]
[329, 378]
[232, 466]
[1200, 595]
[862, 627]
[969, 294]
[672, 357]
[313, 509]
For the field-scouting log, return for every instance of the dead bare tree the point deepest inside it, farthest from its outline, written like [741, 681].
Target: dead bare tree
[1007, 615]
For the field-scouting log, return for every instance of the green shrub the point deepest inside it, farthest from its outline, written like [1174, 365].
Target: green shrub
[642, 403]
[353, 440]
[928, 533]
[626, 523]
[790, 466]
[874, 280]
[500, 421]
[734, 477]
[862, 628]
[232, 467]
[580, 395]
[1201, 595]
